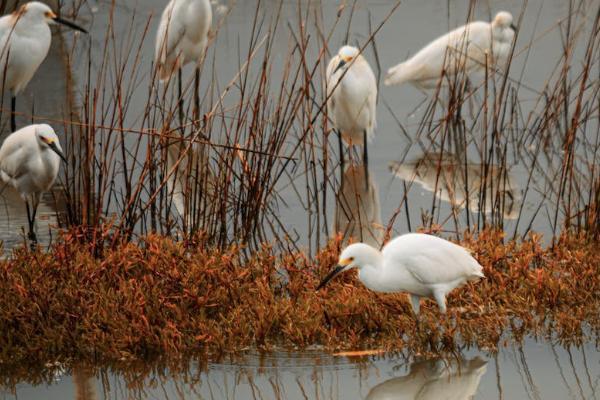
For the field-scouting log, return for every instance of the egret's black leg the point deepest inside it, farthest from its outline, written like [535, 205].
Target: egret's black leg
[366, 159]
[13, 109]
[197, 94]
[341, 150]
[179, 96]
[31, 222]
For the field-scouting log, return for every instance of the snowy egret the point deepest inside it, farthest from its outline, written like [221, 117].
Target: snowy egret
[29, 161]
[466, 48]
[352, 93]
[434, 380]
[24, 43]
[182, 35]
[181, 38]
[422, 265]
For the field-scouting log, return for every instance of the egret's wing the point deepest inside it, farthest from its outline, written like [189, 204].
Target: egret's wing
[432, 260]
[169, 35]
[6, 27]
[331, 81]
[372, 101]
[12, 154]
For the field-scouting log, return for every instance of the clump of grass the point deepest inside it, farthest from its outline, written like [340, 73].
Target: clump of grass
[163, 297]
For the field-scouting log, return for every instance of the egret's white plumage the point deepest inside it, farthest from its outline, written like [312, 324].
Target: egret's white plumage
[29, 161]
[467, 48]
[422, 265]
[24, 43]
[182, 35]
[352, 93]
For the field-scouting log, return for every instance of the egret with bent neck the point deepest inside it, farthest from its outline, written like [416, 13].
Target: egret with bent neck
[419, 264]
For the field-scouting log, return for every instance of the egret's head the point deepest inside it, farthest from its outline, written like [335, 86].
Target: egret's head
[37, 11]
[48, 139]
[356, 255]
[346, 55]
[504, 20]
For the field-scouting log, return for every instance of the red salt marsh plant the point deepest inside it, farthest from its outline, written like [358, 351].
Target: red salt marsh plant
[162, 297]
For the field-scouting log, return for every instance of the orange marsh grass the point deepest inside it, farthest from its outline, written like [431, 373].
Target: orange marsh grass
[159, 296]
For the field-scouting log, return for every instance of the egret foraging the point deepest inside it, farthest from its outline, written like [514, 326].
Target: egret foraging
[29, 161]
[182, 38]
[420, 264]
[352, 94]
[24, 43]
[466, 48]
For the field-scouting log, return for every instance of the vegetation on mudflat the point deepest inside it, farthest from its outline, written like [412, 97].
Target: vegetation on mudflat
[159, 296]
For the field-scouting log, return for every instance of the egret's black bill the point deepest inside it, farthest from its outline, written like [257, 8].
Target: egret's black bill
[513, 27]
[55, 149]
[70, 24]
[340, 66]
[330, 276]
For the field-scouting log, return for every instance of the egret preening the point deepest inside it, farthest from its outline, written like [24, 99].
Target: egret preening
[419, 264]
[182, 38]
[352, 94]
[24, 43]
[468, 48]
[29, 161]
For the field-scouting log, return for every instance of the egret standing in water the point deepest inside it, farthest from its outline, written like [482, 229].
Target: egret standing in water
[352, 94]
[467, 48]
[24, 43]
[422, 265]
[29, 161]
[182, 38]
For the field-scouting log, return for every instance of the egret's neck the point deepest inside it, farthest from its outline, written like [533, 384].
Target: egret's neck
[371, 272]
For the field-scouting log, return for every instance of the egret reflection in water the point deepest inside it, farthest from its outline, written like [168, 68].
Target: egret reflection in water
[357, 208]
[434, 379]
[463, 184]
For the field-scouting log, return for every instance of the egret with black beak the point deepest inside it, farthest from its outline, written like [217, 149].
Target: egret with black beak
[29, 161]
[419, 264]
[24, 43]
[352, 98]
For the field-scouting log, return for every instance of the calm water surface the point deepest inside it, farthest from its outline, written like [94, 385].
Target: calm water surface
[537, 371]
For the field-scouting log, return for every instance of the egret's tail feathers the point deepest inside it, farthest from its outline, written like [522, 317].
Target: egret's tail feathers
[397, 75]
[477, 273]
[167, 68]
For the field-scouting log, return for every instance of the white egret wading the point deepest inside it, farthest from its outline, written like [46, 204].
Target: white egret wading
[422, 265]
[29, 161]
[466, 49]
[24, 43]
[352, 92]
[181, 39]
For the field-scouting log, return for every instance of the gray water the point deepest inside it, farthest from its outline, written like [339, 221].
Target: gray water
[537, 371]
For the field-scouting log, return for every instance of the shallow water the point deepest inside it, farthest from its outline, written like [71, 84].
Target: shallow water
[537, 371]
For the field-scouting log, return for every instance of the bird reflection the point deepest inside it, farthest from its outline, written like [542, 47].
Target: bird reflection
[357, 208]
[453, 179]
[85, 383]
[434, 379]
